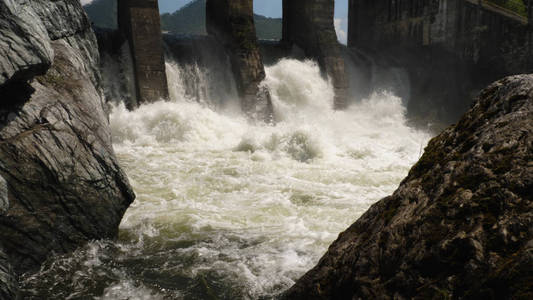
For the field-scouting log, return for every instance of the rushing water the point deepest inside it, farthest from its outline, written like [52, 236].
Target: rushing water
[226, 209]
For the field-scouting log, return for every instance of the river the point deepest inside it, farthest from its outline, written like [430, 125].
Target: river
[231, 209]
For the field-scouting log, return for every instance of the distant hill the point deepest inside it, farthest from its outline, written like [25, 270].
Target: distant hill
[268, 28]
[190, 19]
[103, 13]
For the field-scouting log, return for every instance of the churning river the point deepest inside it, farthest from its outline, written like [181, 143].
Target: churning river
[227, 209]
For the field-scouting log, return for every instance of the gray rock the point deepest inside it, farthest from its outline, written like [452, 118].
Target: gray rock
[4, 201]
[25, 49]
[459, 225]
[62, 18]
[65, 184]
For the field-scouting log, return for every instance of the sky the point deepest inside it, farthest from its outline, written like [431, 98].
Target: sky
[273, 9]
[270, 8]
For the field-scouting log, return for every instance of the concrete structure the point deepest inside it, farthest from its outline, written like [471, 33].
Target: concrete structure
[139, 22]
[450, 48]
[477, 31]
[231, 23]
[309, 25]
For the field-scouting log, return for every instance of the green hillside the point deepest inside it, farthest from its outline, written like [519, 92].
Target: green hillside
[103, 13]
[268, 28]
[190, 19]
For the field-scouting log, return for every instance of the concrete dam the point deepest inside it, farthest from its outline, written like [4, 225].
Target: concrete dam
[448, 48]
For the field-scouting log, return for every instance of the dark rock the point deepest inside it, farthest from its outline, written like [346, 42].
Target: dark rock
[8, 283]
[61, 18]
[64, 183]
[232, 24]
[25, 49]
[460, 226]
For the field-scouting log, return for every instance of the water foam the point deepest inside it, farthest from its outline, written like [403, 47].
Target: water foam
[238, 210]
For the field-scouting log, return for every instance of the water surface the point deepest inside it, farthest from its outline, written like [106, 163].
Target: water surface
[227, 209]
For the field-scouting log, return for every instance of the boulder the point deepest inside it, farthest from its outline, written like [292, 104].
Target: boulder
[460, 226]
[64, 184]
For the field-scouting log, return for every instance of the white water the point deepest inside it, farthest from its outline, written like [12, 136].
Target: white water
[233, 210]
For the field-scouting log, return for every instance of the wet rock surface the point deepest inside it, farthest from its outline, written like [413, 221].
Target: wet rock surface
[25, 50]
[64, 185]
[459, 226]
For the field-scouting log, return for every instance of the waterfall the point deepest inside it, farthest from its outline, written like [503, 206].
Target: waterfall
[229, 208]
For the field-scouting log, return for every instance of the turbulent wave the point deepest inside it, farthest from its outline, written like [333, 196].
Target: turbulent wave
[231, 209]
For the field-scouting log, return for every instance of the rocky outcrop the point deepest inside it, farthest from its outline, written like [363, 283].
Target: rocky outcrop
[64, 185]
[24, 45]
[61, 18]
[139, 23]
[232, 24]
[460, 226]
[308, 24]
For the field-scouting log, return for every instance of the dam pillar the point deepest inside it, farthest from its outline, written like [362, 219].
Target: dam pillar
[231, 23]
[309, 25]
[139, 22]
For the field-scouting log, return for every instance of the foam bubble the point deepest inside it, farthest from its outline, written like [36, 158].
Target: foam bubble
[258, 205]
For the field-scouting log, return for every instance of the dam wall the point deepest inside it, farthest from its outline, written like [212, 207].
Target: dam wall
[450, 48]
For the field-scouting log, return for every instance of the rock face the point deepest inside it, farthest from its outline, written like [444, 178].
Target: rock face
[140, 24]
[308, 24]
[8, 284]
[64, 186]
[24, 47]
[232, 24]
[460, 226]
